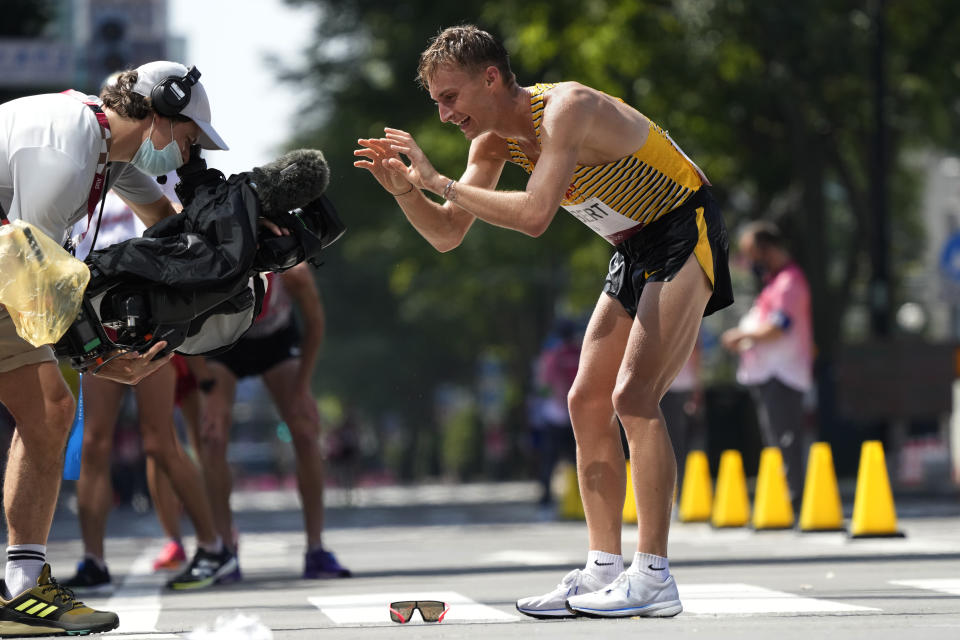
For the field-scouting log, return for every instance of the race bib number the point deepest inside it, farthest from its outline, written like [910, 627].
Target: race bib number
[610, 224]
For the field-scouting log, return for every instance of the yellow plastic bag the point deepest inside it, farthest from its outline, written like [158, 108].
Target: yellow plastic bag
[41, 285]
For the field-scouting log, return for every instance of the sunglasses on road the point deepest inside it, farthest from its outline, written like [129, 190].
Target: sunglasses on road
[430, 610]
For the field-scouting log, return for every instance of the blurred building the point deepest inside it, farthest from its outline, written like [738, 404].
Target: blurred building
[85, 42]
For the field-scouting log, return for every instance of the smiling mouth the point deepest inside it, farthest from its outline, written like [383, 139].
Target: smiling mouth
[463, 122]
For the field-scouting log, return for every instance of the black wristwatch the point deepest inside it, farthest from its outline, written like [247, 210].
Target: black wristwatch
[207, 384]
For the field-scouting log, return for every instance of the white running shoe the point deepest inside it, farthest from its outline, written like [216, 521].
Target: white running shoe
[631, 594]
[554, 603]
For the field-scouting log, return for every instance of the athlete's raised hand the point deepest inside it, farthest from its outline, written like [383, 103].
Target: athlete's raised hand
[420, 171]
[377, 152]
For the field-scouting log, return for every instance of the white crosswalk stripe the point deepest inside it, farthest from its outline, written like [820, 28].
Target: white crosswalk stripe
[943, 585]
[741, 599]
[137, 598]
[374, 608]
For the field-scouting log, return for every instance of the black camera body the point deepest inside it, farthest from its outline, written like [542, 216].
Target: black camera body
[194, 280]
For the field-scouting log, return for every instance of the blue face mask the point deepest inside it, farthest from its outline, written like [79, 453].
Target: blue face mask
[154, 162]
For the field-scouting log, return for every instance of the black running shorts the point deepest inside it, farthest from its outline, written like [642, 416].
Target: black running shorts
[256, 356]
[658, 251]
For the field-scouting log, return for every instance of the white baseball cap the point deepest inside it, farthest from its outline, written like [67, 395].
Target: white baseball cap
[197, 109]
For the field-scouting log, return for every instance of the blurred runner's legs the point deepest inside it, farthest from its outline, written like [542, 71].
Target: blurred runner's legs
[165, 502]
[94, 493]
[274, 350]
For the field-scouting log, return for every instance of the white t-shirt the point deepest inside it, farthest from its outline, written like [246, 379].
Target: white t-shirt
[49, 147]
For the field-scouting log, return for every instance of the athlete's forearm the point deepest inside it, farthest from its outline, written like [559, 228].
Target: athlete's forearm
[442, 226]
[517, 210]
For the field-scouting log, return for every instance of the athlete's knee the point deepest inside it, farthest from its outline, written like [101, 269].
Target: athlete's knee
[305, 434]
[585, 400]
[161, 447]
[636, 396]
[213, 441]
[96, 447]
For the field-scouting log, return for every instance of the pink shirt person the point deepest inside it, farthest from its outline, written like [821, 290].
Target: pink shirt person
[784, 302]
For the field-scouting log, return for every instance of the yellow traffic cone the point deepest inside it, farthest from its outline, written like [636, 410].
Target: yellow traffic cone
[696, 495]
[571, 507]
[821, 509]
[874, 515]
[630, 502]
[731, 505]
[771, 505]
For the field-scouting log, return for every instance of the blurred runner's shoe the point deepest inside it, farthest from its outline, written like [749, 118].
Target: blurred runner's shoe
[90, 578]
[553, 604]
[320, 563]
[205, 569]
[631, 594]
[234, 576]
[171, 556]
[50, 609]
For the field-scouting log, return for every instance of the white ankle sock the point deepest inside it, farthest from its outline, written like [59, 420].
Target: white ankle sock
[97, 561]
[214, 548]
[604, 566]
[24, 563]
[651, 565]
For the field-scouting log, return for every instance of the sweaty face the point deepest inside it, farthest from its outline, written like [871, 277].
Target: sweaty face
[461, 98]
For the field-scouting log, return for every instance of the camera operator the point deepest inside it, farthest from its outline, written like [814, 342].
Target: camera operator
[58, 154]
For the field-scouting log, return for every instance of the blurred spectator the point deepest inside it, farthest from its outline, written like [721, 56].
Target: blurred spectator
[775, 343]
[681, 406]
[556, 370]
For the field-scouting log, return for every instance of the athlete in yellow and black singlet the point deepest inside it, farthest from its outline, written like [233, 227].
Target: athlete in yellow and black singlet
[627, 202]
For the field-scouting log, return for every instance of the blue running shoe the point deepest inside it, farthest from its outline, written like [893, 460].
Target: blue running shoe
[320, 563]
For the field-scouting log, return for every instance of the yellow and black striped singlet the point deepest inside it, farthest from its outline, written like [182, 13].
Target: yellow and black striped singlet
[618, 198]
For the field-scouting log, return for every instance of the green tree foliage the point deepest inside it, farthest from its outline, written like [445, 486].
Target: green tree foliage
[773, 99]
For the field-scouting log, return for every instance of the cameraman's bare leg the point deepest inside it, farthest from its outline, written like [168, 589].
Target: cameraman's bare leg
[42, 406]
[214, 438]
[102, 400]
[299, 410]
[155, 403]
[661, 339]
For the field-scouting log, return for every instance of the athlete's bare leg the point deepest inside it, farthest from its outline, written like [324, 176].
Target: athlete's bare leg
[155, 403]
[42, 407]
[214, 438]
[165, 500]
[601, 469]
[661, 339]
[102, 399]
[299, 410]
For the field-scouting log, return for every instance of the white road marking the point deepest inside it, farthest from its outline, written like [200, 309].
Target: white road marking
[375, 608]
[746, 599]
[138, 597]
[530, 558]
[943, 585]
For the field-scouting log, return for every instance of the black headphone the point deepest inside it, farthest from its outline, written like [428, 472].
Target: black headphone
[171, 95]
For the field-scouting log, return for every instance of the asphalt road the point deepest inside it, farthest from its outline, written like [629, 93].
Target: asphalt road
[479, 548]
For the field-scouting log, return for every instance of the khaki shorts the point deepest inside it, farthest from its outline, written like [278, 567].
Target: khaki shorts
[16, 352]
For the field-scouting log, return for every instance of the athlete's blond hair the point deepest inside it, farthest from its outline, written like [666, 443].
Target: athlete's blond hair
[465, 46]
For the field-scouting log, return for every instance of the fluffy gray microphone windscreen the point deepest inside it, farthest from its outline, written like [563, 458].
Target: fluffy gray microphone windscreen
[293, 180]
